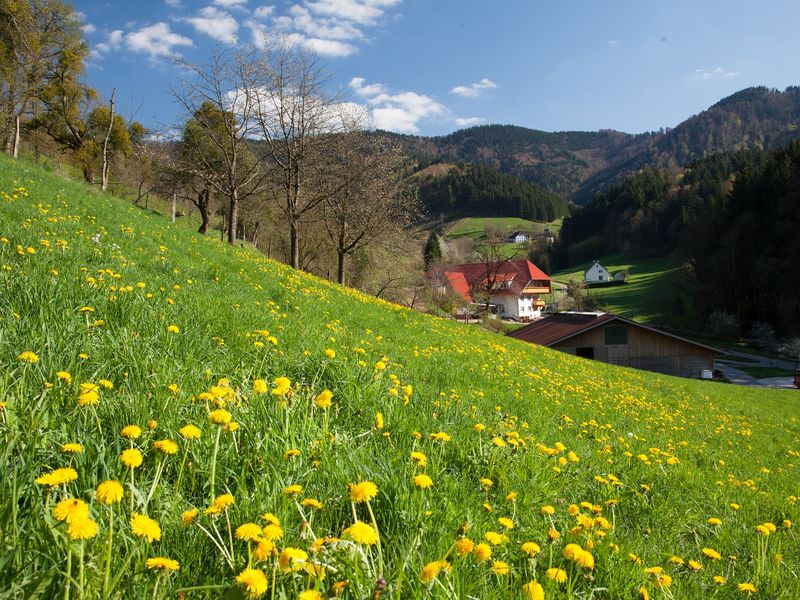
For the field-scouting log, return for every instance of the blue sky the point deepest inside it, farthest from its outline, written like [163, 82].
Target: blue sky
[430, 67]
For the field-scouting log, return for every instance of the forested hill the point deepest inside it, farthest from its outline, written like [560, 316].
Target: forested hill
[577, 164]
[472, 190]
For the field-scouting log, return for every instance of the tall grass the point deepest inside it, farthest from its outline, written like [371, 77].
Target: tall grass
[527, 450]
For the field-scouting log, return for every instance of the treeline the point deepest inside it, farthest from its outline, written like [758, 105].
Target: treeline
[474, 190]
[578, 163]
[265, 149]
[44, 101]
[732, 216]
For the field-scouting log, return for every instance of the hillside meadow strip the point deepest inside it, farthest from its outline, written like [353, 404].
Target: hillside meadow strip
[179, 418]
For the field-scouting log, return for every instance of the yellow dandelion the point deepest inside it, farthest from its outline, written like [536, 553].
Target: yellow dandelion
[72, 448]
[557, 575]
[422, 481]
[188, 516]
[531, 548]
[464, 546]
[29, 357]
[145, 527]
[82, 529]
[363, 491]
[312, 503]
[431, 570]
[109, 492]
[71, 509]
[500, 568]
[482, 552]
[282, 386]
[362, 533]
[272, 532]
[249, 532]
[254, 582]
[292, 559]
[160, 563]
[166, 446]
[533, 590]
[323, 400]
[131, 457]
[293, 490]
[57, 477]
[259, 386]
[219, 416]
[189, 432]
[131, 432]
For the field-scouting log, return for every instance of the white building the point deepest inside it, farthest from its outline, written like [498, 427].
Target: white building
[597, 273]
[515, 292]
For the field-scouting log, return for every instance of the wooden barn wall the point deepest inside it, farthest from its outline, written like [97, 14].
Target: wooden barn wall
[645, 350]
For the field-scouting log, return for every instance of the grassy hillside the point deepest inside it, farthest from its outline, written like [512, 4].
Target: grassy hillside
[653, 292]
[475, 227]
[542, 469]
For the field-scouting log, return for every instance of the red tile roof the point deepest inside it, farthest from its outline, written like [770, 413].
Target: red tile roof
[515, 273]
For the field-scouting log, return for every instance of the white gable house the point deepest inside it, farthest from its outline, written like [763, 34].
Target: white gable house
[597, 273]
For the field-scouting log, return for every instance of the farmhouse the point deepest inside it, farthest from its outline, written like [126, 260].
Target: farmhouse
[598, 274]
[619, 341]
[514, 287]
[519, 237]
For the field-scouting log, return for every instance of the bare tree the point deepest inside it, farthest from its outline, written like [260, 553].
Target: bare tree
[294, 116]
[104, 170]
[220, 127]
[367, 199]
[493, 254]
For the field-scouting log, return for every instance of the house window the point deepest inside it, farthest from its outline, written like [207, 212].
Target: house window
[587, 352]
[616, 335]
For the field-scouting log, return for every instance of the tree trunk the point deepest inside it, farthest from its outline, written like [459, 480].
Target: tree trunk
[104, 175]
[202, 205]
[294, 244]
[16, 136]
[88, 176]
[233, 217]
[174, 203]
[340, 268]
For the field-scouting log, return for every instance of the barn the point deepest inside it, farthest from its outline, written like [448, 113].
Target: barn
[619, 341]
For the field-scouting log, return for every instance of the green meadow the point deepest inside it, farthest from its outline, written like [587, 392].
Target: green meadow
[654, 290]
[182, 418]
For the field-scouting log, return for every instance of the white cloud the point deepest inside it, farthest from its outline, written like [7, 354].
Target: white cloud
[706, 74]
[323, 47]
[156, 40]
[215, 23]
[88, 28]
[173, 3]
[473, 90]
[229, 3]
[469, 121]
[112, 42]
[262, 12]
[328, 27]
[402, 111]
[302, 20]
[362, 12]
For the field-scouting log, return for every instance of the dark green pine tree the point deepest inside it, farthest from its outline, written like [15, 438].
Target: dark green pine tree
[432, 253]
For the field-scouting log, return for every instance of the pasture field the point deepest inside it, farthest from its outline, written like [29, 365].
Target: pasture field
[181, 418]
[475, 227]
[653, 292]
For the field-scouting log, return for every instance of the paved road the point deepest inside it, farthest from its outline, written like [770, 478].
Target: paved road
[734, 375]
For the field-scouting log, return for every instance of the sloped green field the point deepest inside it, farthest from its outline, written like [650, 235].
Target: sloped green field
[546, 474]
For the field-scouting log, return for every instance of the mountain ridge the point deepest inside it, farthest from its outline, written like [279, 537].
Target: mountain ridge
[579, 163]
